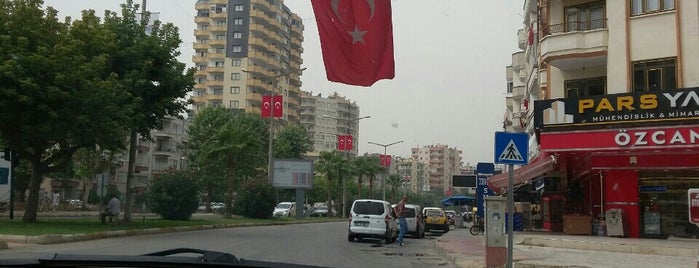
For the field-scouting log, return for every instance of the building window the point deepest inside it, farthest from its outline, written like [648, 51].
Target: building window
[218, 77]
[235, 104]
[235, 62]
[582, 88]
[219, 50]
[235, 90]
[588, 16]
[237, 48]
[238, 7]
[654, 75]
[238, 21]
[509, 87]
[218, 64]
[218, 91]
[237, 35]
[640, 7]
[220, 36]
[235, 76]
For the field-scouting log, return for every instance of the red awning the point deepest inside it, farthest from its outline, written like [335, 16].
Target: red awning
[540, 166]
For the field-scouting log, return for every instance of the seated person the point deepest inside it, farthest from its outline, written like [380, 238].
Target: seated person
[112, 210]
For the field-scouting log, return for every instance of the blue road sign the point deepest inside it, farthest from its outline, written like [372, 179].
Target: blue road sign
[511, 148]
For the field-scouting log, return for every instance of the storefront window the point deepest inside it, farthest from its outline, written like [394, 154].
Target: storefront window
[664, 207]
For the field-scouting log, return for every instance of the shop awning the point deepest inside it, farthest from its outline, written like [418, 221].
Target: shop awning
[541, 165]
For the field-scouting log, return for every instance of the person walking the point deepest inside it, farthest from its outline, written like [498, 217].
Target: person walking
[55, 201]
[43, 201]
[402, 223]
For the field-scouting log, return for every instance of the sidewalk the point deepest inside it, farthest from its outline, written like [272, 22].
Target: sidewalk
[560, 250]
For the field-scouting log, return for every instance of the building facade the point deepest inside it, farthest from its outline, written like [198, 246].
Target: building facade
[442, 163]
[246, 49]
[326, 118]
[615, 114]
[414, 174]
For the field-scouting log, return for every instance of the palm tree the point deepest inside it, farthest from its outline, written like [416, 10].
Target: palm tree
[332, 164]
[369, 167]
[394, 181]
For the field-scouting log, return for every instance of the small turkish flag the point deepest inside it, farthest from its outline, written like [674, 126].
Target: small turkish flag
[278, 109]
[388, 160]
[266, 108]
[348, 142]
[382, 160]
[341, 142]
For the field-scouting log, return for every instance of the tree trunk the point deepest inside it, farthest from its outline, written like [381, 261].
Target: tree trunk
[130, 175]
[371, 186]
[229, 193]
[37, 177]
[87, 188]
[209, 194]
[327, 201]
[359, 185]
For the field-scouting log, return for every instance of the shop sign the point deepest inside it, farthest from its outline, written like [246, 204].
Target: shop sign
[651, 138]
[693, 195]
[652, 188]
[656, 106]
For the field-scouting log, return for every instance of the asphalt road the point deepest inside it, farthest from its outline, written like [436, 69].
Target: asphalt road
[323, 244]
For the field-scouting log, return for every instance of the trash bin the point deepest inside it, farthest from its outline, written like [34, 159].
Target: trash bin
[616, 225]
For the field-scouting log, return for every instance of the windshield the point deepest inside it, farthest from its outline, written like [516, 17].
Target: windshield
[284, 206]
[252, 126]
[368, 208]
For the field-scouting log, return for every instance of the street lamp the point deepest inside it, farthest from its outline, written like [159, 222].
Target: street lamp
[271, 119]
[383, 182]
[344, 184]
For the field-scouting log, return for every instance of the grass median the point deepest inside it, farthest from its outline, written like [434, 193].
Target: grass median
[91, 225]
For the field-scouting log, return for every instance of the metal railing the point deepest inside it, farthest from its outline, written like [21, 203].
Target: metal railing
[574, 26]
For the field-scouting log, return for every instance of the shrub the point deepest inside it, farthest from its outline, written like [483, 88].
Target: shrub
[255, 199]
[174, 195]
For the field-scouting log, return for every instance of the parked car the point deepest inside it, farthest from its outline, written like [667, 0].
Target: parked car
[371, 218]
[285, 209]
[321, 212]
[416, 224]
[214, 206]
[435, 218]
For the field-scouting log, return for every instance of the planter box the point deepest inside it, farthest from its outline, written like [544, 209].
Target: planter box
[577, 225]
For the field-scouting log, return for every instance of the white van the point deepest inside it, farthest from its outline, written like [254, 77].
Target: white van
[371, 218]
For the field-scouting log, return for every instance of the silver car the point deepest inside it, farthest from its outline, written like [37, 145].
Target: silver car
[371, 218]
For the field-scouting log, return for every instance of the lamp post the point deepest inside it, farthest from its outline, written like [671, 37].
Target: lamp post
[383, 181]
[344, 186]
[271, 119]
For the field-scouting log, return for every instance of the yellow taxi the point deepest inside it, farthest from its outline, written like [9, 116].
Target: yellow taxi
[435, 219]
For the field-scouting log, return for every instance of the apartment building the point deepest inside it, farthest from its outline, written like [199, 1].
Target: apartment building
[326, 118]
[246, 49]
[442, 163]
[615, 113]
[414, 174]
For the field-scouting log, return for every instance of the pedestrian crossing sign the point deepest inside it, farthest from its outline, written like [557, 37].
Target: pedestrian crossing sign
[511, 148]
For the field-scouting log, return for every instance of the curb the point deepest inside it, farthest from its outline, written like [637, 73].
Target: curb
[64, 238]
[454, 258]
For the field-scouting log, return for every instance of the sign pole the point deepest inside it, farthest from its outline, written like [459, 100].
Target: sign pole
[510, 214]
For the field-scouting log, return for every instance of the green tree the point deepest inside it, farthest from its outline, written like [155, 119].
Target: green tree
[88, 162]
[173, 195]
[57, 93]
[147, 67]
[394, 181]
[239, 139]
[292, 142]
[332, 164]
[257, 201]
[367, 166]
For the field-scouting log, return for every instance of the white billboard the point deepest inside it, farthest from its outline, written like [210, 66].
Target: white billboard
[292, 174]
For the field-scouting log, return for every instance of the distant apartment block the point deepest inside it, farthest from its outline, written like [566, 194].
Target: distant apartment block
[324, 118]
[442, 163]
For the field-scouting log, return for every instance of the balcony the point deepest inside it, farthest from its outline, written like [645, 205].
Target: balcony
[522, 38]
[216, 56]
[212, 70]
[201, 20]
[518, 92]
[217, 42]
[197, 59]
[217, 28]
[201, 46]
[215, 83]
[570, 45]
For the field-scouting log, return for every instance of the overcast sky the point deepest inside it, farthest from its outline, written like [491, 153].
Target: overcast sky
[450, 59]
